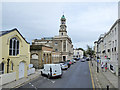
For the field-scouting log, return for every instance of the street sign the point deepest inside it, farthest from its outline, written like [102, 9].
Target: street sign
[98, 61]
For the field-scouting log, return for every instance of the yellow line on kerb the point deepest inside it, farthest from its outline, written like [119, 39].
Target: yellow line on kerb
[91, 78]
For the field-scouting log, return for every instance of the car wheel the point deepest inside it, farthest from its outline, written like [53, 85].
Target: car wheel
[61, 76]
[41, 73]
[49, 76]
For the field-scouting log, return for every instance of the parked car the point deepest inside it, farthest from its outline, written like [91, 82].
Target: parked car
[64, 66]
[69, 63]
[52, 70]
[72, 61]
[82, 60]
[87, 59]
[77, 59]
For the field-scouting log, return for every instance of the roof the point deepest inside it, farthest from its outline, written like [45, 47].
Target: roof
[63, 17]
[5, 32]
[38, 47]
[48, 38]
[8, 31]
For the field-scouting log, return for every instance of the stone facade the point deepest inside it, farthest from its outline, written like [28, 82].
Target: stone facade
[56, 57]
[78, 53]
[61, 43]
[14, 54]
[40, 55]
[107, 47]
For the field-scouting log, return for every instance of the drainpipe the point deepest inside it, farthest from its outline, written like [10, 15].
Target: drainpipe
[8, 65]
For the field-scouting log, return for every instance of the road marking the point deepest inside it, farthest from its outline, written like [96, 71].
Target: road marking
[44, 78]
[91, 78]
[52, 81]
[32, 85]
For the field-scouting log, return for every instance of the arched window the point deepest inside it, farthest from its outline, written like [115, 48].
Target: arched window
[35, 56]
[14, 47]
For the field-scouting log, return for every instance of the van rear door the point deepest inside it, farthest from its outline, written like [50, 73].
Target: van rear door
[56, 70]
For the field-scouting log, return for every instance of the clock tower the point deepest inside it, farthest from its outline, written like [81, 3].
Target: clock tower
[62, 31]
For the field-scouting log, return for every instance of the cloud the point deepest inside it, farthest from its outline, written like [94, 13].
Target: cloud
[85, 21]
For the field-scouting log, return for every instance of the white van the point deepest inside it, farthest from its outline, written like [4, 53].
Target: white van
[51, 70]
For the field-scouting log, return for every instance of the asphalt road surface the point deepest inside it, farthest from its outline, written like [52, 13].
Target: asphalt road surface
[77, 76]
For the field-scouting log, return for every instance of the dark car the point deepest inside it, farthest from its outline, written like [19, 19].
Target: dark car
[77, 59]
[82, 60]
[87, 59]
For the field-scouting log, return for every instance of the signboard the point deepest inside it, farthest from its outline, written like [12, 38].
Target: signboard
[105, 57]
[30, 65]
[98, 61]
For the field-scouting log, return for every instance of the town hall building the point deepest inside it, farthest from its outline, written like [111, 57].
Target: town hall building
[61, 44]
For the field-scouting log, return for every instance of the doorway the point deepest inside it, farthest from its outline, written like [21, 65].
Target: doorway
[64, 58]
[21, 70]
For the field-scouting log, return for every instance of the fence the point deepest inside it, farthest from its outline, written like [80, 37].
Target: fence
[31, 71]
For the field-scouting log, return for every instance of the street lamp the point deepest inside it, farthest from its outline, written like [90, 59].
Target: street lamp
[8, 65]
[97, 59]
[97, 65]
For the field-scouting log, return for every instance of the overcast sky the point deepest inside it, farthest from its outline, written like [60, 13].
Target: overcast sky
[85, 21]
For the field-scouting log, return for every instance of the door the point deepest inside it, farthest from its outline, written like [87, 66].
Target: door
[21, 70]
[64, 58]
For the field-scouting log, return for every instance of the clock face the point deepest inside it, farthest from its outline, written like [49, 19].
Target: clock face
[63, 22]
[62, 27]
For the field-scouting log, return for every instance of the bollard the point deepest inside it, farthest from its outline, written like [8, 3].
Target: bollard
[107, 87]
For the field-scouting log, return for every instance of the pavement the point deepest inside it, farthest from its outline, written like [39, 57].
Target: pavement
[22, 81]
[77, 76]
[103, 79]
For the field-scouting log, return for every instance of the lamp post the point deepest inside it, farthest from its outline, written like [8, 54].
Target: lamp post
[97, 59]
[97, 65]
[8, 65]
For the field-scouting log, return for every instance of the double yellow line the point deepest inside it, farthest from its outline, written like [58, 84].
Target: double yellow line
[91, 78]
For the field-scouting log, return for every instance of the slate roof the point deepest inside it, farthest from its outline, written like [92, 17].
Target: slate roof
[8, 31]
[5, 32]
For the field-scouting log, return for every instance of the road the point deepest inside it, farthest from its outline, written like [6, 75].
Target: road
[77, 76]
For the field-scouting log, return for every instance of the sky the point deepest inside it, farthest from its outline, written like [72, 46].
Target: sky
[85, 20]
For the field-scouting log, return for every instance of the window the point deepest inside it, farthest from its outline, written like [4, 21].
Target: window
[56, 50]
[115, 31]
[56, 43]
[35, 56]
[14, 47]
[64, 46]
[61, 33]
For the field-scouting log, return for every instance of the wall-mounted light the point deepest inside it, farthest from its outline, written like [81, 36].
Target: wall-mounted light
[2, 58]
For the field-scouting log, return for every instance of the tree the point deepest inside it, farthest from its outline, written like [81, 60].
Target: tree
[81, 49]
[89, 51]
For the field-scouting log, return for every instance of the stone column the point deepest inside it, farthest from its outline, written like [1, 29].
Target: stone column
[45, 59]
[66, 46]
[62, 45]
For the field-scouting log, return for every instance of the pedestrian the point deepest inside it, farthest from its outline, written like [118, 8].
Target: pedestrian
[102, 66]
[105, 67]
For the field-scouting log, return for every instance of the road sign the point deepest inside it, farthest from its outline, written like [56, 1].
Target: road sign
[98, 61]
